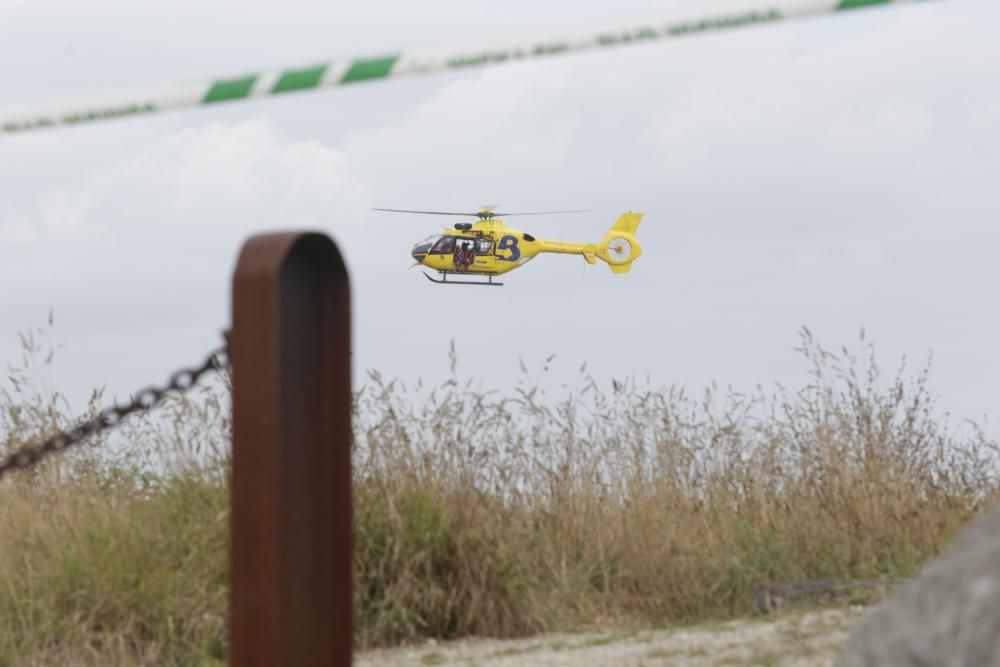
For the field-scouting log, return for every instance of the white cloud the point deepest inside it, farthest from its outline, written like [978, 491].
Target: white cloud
[145, 242]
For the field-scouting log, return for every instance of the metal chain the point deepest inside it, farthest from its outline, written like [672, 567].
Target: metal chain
[180, 382]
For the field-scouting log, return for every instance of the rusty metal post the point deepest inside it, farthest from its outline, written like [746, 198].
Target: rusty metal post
[291, 598]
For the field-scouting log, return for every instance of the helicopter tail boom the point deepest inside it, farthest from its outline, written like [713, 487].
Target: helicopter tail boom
[619, 247]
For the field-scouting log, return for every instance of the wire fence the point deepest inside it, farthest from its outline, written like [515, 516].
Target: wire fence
[180, 382]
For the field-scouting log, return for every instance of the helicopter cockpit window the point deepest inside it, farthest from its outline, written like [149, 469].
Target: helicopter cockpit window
[424, 246]
[444, 246]
[484, 246]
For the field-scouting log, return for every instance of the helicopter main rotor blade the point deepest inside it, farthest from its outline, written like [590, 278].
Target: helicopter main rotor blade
[505, 215]
[403, 210]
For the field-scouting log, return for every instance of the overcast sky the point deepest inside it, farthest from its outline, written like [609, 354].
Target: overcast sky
[837, 173]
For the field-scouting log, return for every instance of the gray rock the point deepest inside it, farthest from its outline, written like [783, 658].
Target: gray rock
[949, 615]
[768, 598]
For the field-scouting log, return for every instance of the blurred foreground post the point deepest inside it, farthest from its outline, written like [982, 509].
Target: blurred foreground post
[290, 559]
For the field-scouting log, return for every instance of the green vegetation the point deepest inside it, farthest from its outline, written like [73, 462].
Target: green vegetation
[479, 513]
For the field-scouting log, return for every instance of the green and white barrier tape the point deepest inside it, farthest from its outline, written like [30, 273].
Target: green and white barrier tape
[13, 120]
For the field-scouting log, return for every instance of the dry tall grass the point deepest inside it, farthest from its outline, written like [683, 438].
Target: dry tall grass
[647, 504]
[115, 554]
[484, 513]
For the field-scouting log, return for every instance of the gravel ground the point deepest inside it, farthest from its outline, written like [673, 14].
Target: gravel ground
[811, 638]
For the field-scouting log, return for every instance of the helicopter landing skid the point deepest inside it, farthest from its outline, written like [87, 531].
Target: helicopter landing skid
[444, 280]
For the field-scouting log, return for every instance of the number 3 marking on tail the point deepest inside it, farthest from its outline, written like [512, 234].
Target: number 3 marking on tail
[510, 243]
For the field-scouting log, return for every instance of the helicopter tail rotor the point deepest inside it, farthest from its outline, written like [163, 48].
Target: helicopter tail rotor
[619, 247]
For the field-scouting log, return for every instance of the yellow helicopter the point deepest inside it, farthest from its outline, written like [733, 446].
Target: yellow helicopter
[489, 248]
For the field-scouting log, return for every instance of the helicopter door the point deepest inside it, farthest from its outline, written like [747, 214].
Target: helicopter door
[465, 255]
[484, 248]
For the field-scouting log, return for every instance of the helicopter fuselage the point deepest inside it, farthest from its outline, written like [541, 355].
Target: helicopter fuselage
[489, 247]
